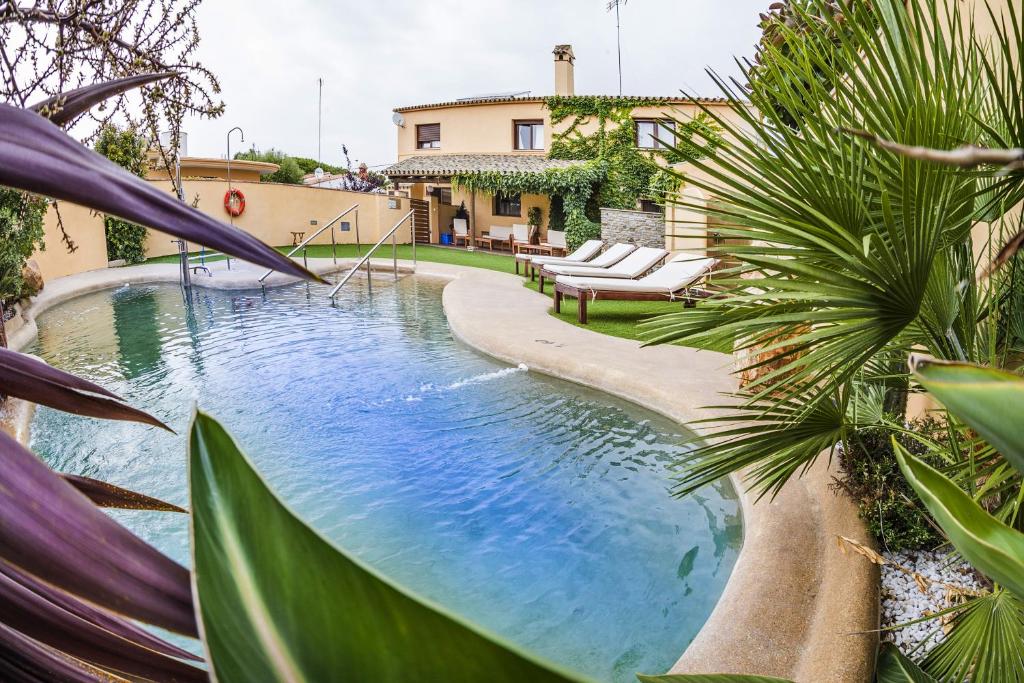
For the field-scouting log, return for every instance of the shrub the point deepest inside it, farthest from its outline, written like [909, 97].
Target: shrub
[126, 148]
[21, 233]
[888, 505]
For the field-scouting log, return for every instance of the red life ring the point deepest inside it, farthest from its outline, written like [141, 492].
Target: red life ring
[234, 202]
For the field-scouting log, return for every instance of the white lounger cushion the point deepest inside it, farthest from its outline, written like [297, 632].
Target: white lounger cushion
[520, 232]
[610, 257]
[586, 252]
[631, 267]
[679, 273]
[461, 227]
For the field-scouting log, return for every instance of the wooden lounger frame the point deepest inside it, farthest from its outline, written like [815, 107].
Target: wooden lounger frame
[553, 276]
[688, 295]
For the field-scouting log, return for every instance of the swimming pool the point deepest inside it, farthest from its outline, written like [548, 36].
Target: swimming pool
[532, 506]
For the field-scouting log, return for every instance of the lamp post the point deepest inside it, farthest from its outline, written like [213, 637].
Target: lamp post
[231, 216]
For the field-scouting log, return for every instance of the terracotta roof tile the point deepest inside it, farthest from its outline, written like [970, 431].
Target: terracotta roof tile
[443, 165]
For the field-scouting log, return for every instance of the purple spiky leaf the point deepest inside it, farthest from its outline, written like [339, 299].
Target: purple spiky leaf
[30, 379]
[36, 156]
[62, 108]
[50, 530]
[24, 660]
[36, 617]
[106, 495]
[103, 619]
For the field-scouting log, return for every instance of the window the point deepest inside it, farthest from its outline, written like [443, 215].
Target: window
[650, 131]
[529, 135]
[651, 206]
[508, 205]
[428, 136]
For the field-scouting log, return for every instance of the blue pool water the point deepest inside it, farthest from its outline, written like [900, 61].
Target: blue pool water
[534, 507]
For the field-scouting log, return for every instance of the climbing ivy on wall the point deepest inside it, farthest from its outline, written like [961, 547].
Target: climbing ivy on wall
[573, 184]
[617, 174]
[632, 173]
[126, 148]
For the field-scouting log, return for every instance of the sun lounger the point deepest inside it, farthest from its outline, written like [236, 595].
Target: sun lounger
[629, 268]
[673, 281]
[610, 257]
[586, 252]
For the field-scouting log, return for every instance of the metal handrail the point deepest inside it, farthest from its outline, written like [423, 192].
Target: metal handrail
[334, 245]
[394, 252]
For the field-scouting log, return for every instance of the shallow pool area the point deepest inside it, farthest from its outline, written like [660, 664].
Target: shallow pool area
[535, 507]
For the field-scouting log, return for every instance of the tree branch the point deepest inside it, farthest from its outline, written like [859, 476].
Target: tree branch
[968, 156]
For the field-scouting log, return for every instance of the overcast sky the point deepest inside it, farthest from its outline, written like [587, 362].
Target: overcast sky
[377, 55]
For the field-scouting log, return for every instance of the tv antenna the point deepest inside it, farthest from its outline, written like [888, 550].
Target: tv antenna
[614, 5]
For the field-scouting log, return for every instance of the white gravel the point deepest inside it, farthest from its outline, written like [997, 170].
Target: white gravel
[903, 600]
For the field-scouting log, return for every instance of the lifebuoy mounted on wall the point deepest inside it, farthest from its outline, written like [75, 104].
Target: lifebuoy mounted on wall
[234, 202]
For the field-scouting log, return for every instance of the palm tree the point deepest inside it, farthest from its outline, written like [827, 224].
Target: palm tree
[855, 246]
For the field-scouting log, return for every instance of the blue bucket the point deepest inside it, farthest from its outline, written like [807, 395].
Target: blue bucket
[446, 238]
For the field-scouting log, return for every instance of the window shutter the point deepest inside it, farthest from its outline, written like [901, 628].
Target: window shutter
[428, 132]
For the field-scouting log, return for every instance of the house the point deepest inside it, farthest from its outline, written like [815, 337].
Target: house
[512, 134]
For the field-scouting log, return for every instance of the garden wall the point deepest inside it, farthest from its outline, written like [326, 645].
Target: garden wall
[633, 227]
[273, 211]
[86, 231]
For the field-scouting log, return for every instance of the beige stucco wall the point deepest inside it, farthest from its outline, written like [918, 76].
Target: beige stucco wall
[86, 231]
[487, 128]
[273, 211]
[484, 216]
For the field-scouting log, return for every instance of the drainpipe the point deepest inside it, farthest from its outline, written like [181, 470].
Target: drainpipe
[472, 222]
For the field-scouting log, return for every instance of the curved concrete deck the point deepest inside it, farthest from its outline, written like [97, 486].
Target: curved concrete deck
[794, 607]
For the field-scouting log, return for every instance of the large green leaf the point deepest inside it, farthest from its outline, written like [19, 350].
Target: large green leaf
[895, 667]
[988, 544]
[988, 400]
[277, 602]
[710, 678]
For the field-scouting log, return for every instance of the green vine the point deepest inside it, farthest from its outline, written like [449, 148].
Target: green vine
[573, 184]
[632, 173]
[615, 173]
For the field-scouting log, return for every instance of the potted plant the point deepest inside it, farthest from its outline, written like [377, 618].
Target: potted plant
[534, 217]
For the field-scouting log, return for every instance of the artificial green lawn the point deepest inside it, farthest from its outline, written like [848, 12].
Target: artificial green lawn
[615, 318]
[458, 257]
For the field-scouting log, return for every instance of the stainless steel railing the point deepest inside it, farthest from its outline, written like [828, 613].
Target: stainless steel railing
[394, 253]
[334, 243]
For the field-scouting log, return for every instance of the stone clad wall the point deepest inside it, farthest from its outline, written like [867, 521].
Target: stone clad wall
[633, 227]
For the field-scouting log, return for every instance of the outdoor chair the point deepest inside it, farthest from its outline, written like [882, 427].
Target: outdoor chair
[460, 231]
[521, 235]
[629, 268]
[671, 282]
[555, 242]
[498, 233]
[587, 251]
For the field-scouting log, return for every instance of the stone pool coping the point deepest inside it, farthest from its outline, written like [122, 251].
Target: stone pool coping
[794, 606]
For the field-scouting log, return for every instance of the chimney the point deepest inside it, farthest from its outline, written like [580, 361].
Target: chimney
[564, 70]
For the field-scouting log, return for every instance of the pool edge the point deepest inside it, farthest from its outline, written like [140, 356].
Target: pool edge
[793, 606]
